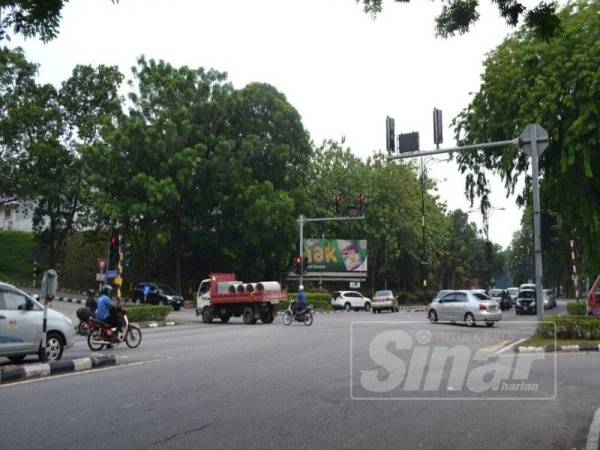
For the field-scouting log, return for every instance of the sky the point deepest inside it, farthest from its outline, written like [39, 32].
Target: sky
[343, 70]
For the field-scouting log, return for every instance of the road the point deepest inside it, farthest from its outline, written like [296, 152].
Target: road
[270, 386]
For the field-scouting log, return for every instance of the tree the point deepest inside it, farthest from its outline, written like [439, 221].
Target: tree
[457, 16]
[30, 18]
[44, 133]
[557, 84]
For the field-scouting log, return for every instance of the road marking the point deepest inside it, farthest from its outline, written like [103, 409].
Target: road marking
[495, 347]
[593, 438]
[72, 374]
[510, 345]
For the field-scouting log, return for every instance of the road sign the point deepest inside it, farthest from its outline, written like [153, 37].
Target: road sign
[111, 274]
[118, 280]
[100, 277]
[101, 265]
[527, 136]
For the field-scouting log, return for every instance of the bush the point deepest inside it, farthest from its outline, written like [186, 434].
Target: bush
[569, 327]
[312, 296]
[146, 313]
[576, 309]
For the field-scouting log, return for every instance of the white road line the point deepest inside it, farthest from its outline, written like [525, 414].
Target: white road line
[509, 346]
[593, 438]
[494, 348]
[72, 374]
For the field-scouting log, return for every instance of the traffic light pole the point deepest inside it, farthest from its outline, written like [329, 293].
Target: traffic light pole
[302, 220]
[532, 141]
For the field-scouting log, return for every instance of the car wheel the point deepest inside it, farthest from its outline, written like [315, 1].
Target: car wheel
[17, 359]
[207, 315]
[347, 307]
[433, 318]
[54, 348]
[176, 307]
[469, 320]
[490, 324]
[367, 307]
[374, 311]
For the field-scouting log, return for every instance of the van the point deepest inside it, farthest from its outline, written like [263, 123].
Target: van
[21, 321]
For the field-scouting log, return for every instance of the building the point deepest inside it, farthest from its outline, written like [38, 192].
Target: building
[12, 217]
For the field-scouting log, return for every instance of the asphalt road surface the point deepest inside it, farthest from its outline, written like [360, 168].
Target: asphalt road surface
[269, 386]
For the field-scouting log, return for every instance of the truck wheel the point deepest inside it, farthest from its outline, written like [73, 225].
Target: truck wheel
[267, 317]
[225, 318]
[207, 315]
[248, 316]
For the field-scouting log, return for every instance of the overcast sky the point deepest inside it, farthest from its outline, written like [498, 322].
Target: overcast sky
[343, 70]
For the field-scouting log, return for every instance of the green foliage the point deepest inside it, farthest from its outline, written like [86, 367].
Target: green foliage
[14, 266]
[312, 296]
[457, 16]
[82, 252]
[569, 327]
[146, 313]
[556, 84]
[30, 18]
[576, 309]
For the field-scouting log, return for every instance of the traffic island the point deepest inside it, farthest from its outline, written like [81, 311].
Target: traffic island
[18, 373]
[536, 345]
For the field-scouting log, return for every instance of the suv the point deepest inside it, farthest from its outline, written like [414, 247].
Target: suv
[348, 300]
[21, 327]
[526, 302]
[157, 294]
[385, 300]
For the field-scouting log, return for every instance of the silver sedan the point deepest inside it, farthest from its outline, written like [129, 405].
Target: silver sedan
[465, 306]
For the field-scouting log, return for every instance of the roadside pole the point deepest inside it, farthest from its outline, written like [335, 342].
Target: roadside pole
[48, 291]
[532, 141]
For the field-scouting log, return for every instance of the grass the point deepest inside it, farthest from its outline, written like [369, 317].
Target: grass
[537, 341]
[14, 267]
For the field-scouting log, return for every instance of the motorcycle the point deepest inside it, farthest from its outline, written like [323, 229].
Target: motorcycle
[304, 316]
[101, 334]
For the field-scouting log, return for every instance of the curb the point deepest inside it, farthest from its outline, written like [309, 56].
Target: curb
[169, 323]
[56, 367]
[559, 348]
[593, 438]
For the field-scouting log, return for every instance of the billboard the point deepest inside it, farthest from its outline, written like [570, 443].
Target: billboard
[336, 256]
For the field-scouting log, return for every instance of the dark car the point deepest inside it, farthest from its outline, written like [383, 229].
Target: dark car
[157, 294]
[526, 302]
[502, 297]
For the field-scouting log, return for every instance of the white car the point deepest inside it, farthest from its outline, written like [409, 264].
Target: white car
[21, 327]
[348, 300]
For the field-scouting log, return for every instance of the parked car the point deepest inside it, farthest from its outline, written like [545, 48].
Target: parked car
[157, 294]
[383, 300]
[526, 302]
[502, 297]
[513, 292]
[465, 306]
[21, 318]
[348, 300]
[551, 297]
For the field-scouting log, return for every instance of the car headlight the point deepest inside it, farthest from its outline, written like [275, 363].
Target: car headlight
[169, 297]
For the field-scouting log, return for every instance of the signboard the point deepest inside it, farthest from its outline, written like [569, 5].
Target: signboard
[335, 256]
[111, 274]
[101, 265]
[354, 284]
[100, 277]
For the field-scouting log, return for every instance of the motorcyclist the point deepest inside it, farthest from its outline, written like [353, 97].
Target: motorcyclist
[107, 312]
[300, 300]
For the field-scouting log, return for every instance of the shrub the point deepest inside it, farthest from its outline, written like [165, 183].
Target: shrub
[312, 296]
[407, 298]
[569, 327]
[145, 313]
[576, 309]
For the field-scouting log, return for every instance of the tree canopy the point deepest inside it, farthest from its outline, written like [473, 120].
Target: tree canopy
[556, 84]
[457, 16]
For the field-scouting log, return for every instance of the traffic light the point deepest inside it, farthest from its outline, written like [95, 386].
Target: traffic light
[338, 201]
[361, 203]
[126, 248]
[304, 265]
[550, 229]
[113, 251]
[298, 264]
[390, 135]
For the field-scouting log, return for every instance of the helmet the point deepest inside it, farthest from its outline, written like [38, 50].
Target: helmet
[301, 287]
[106, 289]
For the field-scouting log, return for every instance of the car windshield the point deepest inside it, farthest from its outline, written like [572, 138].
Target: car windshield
[513, 291]
[383, 294]
[495, 293]
[527, 294]
[166, 289]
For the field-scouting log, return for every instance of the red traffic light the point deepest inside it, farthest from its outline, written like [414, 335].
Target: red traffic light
[114, 240]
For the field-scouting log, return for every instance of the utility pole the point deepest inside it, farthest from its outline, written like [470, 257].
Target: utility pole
[532, 141]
